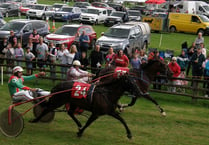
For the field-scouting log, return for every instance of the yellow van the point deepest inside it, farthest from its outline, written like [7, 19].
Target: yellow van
[189, 23]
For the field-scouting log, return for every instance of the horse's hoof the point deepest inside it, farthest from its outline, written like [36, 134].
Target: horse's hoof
[33, 121]
[79, 134]
[163, 114]
[129, 136]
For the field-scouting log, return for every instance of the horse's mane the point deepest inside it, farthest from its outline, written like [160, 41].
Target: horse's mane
[150, 63]
[107, 70]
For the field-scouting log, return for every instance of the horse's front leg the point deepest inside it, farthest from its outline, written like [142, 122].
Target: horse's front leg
[91, 119]
[71, 114]
[122, 106]
[155, 102]
[118, 117]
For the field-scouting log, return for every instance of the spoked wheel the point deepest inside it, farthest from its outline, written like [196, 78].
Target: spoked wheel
[17, 124]
[47, 118]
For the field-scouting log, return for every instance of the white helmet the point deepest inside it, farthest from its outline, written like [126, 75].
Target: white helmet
[17, 69]
[76, 62]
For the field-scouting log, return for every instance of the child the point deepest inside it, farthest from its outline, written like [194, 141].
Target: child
[135, 61]
[29, 57]
[19, 53]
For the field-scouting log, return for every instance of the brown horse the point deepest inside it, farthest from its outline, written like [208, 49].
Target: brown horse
[101, 100]
[143, 78]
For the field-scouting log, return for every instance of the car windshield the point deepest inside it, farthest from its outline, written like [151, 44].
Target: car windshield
[70, 31]
[131, 13]
[67, 9]
[117, 32]
[15, 26]
[37, 7]
[204, 18]
[57, 6]
[4, 5]
[92, 11]
[117, 14]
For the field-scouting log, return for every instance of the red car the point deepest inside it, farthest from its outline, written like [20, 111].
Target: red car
[68, 34]
[25, 8]
[103, 5]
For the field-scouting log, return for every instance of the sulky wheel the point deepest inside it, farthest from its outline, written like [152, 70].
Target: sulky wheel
[37, 110]
[17, 124]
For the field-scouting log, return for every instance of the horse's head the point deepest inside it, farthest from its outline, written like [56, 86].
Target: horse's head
[157, 65]
[130, 85]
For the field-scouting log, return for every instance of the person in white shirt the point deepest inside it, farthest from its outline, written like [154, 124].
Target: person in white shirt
[74, 73]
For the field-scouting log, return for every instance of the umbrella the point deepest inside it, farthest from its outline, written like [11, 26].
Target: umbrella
[155, 1]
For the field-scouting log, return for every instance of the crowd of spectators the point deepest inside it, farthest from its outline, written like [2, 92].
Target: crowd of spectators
[40, 56]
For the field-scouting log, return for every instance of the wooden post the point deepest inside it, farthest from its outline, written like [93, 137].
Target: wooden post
[2, 76]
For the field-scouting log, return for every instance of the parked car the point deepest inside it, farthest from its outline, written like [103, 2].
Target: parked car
[2, 22]
[26, 1]
[23, 28]
[117, 7]
[67, 34]
[127, 37]
[25, 7]
[115, 18]
[82, 4]
[103, 5]
[67, 14]
[9, 9]
[134, 15]
[94, 15]
[142, 9]
[38, 11]
[55, 7]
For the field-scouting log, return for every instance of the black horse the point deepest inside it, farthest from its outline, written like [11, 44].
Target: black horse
[143, 78]
[102, 100]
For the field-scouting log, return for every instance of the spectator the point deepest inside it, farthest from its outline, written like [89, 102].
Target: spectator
[42, 52]
[120, 59]
[84, 61]
[204, 52]
[17, 90]
[76, 74]
[52, 59]
[205, 65]
[109, 56]
[152, 56]
[3, 45]
[73, 54]
[34, 36]
[29, 57]
[135, 61]
[142, 54]
[19, 54]
[84, 42]
[9, 53]
[191, 51]
[62, 52]
[175, 68]
[197, 59]
[183, 62]
[199, 39]
[12, 39]
[96, 59]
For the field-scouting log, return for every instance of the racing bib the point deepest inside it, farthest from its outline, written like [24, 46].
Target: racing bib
[80, 90]
[120, 71]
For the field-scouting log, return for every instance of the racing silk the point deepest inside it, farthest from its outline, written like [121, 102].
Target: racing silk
[77, 74]
[15, 84]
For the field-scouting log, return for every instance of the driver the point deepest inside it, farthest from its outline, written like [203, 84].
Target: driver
[17, 90]
[75, 73]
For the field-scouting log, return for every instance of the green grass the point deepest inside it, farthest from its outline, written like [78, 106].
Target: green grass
[186, 123]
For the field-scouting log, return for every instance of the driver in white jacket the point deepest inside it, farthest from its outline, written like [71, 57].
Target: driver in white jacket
[76, 74]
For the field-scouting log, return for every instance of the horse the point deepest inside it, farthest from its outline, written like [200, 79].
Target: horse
[143, 78]
[101, 100]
